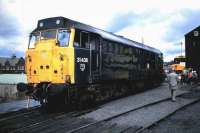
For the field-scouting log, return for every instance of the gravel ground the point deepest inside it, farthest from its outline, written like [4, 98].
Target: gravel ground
[186, 120]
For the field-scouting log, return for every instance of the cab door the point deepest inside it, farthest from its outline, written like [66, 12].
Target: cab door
[94, 41]
[87, 57]
[82, 57]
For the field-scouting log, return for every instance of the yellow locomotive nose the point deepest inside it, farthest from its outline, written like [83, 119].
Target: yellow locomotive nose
[47, 63]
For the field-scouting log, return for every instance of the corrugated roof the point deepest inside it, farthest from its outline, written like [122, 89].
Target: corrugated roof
[12, 61]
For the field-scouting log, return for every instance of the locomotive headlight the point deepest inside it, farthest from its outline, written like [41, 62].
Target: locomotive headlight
[58, 22]
[41, 24]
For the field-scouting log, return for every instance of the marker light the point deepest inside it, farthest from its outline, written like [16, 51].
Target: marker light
[58, 21]
[41, 24]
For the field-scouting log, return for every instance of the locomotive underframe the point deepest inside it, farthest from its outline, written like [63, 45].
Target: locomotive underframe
[52, 94]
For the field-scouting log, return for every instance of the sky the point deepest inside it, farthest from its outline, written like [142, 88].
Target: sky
[161, 24]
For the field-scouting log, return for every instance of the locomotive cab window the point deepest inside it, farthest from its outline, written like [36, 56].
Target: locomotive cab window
[34, 37]
[49, 34]
[85, 40]
[63, 37]
[94, 42]
[77, 38]
[81, 39]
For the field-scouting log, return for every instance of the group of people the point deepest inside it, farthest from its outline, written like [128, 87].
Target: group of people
[174, 79]
[188, 77]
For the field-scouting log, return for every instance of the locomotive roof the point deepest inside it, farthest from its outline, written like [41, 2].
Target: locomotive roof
[61, 22]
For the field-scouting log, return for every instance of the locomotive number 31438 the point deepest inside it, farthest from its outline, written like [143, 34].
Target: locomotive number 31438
[80, 59]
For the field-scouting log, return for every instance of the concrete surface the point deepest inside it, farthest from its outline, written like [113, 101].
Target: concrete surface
[148, 116]
[16, 105]
[124, 104]
[186, 120]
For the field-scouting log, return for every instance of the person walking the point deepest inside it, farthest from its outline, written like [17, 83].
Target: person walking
[172, 79]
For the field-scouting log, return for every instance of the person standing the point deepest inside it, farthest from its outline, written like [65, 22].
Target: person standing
[195, 76]
[172, 79]
[190, 77]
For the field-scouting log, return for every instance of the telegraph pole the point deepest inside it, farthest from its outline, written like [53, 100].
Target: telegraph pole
[181, 48]
[142, 40]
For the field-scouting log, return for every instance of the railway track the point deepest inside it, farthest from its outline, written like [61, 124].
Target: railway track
[142, 129]
[25, 119]
[19, 113]
[89, 127]
[71, 122]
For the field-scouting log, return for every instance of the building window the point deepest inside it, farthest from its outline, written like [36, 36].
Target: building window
[196, 33]
[193, 43]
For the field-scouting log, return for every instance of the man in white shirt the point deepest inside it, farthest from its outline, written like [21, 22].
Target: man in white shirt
[172, 79]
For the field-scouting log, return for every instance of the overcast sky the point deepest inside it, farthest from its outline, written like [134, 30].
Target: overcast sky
[161, 23]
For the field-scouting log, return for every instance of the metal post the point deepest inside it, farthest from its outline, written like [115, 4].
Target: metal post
[27, 106]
